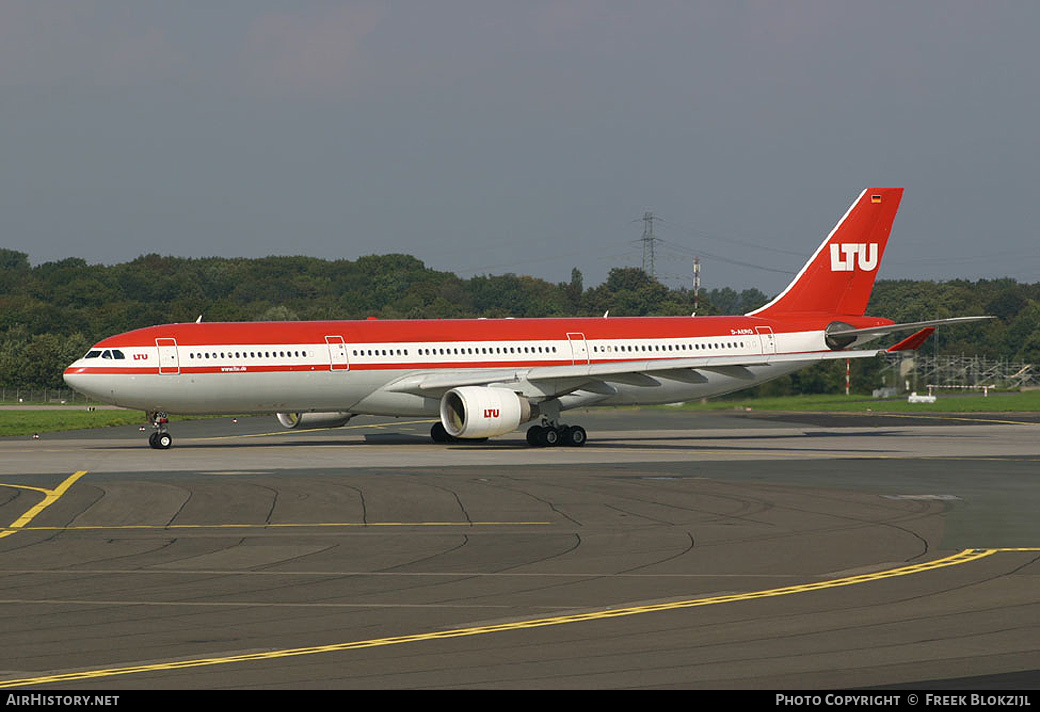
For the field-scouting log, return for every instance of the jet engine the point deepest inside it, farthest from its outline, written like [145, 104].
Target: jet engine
[483, 412]
[313, 420]
[837, 341]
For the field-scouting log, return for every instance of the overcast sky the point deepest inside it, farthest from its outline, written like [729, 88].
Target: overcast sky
[526, 137]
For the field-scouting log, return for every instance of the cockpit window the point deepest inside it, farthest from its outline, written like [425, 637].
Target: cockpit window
[117, 354]
[93, 353]
[106, 354]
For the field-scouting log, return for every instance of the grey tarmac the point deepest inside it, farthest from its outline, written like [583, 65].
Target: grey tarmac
[675, 550]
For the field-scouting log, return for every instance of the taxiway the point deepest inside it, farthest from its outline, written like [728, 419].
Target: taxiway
[738, 550]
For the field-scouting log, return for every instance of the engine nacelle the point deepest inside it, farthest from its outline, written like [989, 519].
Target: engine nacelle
[483, 412]
[313, 420]
[836, 341]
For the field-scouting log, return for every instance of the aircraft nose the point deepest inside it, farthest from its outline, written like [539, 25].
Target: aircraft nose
[75, 379]
[71, 377]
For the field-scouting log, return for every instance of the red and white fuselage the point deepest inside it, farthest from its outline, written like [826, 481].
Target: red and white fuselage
[353, 366]
[485, 377]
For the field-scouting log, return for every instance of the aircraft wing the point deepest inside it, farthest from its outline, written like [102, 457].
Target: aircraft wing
[550, 381]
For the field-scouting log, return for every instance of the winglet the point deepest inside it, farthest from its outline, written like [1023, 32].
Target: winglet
[912, 342]
[838, 278]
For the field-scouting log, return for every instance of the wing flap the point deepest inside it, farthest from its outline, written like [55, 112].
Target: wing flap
[683, 375]
[739, 372]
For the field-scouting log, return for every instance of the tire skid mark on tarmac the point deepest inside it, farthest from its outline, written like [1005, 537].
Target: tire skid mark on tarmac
[50, 496]
[962, 557]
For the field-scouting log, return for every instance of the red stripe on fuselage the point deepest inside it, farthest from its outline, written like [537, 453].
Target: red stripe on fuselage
[463, 330]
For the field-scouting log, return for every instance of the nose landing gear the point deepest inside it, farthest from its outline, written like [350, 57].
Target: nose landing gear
[161, 438]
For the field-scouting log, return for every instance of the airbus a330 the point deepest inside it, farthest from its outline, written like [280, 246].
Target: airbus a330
[483, 378]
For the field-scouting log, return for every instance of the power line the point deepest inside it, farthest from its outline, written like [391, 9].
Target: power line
[705, 235]
[648, 244]
[739, 263]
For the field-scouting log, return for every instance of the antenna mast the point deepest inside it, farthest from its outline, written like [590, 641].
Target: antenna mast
[696, 282]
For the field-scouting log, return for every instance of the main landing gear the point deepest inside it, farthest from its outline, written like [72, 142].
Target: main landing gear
[549, 435]
[440, 434]
[537, 436]
[161, 438]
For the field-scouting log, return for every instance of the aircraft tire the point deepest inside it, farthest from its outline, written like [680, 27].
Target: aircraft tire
[439, 434]
[534, 436]
[575, 436]
[163, 441]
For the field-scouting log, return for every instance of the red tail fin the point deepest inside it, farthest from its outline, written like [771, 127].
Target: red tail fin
[838, 278]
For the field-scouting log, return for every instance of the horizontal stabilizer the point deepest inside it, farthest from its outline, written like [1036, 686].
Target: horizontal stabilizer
[892, 328]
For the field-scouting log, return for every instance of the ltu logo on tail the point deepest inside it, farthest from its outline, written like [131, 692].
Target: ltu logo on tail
[845, 257]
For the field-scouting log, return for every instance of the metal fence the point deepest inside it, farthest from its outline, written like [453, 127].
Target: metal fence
[55, 396]
[913, 371]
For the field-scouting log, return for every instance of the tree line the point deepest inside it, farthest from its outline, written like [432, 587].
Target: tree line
[51, 313]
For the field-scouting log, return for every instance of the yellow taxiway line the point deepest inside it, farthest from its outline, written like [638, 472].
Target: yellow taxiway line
[963, 557]
[52, 495]
[287, 525]
[49, 498]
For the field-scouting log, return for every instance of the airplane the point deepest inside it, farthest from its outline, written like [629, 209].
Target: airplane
[484, 378]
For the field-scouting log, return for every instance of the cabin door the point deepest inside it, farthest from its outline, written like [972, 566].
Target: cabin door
[337, 353]
[579, 348]
[767, 338]
[169, 362]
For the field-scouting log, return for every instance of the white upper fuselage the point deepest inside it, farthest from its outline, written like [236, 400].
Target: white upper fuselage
[403, 367]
